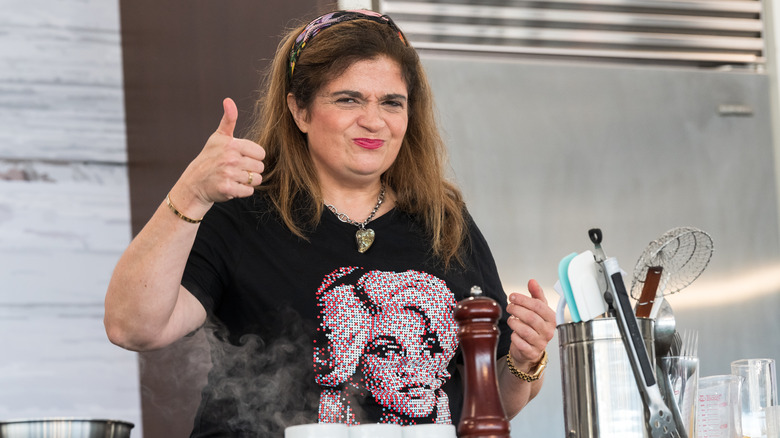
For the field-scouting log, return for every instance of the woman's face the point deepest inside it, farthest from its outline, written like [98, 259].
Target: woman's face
[402, 362]
[356, 122]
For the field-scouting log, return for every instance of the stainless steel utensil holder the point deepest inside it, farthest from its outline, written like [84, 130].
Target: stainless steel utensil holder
[600, 394]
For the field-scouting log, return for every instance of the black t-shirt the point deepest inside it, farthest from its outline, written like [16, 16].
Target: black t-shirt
[311, 330]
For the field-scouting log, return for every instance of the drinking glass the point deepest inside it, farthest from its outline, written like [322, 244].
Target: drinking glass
[773, 421]
[683, 374]
[759, 390]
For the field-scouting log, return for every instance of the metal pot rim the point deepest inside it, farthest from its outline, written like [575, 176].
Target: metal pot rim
[65, 419]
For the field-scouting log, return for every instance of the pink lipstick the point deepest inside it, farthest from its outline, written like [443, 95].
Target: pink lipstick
[369, 143]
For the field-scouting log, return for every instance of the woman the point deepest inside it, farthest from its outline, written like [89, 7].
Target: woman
[352, 172]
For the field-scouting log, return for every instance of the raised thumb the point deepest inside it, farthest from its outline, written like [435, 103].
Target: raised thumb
[228, 123]
[536, 290]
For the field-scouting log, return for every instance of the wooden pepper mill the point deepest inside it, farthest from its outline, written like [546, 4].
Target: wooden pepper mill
[483, 414]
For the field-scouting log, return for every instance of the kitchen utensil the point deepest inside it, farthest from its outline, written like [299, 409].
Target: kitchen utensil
[719, 409]
[667, 391]
[683, 380]
[65, 428]
[563, 277]
[658, 417]
[664, 328]
[584, 282]
[759, 390]
[664, 332]
[676, 347]
[690, 343]
[429, 431]
[649, 290]
[682, 254]
[560, 309]
[685, 343]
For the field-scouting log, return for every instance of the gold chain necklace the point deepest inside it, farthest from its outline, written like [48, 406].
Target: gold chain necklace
[364, 236]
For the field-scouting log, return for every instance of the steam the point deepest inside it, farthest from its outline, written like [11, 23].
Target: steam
[257, 385]
[272, 379]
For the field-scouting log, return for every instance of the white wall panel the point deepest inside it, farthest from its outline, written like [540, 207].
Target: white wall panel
[61, 80]
[64, 211]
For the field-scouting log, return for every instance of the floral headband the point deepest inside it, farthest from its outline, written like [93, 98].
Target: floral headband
[328, 20]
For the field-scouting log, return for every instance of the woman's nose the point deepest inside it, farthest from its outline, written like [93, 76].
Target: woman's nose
[419, 367]
[371, 117]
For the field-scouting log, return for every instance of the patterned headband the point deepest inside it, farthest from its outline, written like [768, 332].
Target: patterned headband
[328, 20]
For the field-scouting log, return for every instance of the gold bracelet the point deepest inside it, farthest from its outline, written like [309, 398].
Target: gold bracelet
[536, 371]
[178, 213]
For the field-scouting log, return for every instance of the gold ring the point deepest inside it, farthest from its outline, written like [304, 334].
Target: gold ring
[249, 183]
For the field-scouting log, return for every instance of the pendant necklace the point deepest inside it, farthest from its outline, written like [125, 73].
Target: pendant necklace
[364, 236]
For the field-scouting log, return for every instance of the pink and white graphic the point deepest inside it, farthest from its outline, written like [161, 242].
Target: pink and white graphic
[389, 336]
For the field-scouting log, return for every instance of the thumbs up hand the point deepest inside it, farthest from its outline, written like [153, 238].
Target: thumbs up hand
[533, 325]
[226, 168]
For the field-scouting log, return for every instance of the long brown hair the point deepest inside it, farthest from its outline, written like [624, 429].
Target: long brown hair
[418, 174]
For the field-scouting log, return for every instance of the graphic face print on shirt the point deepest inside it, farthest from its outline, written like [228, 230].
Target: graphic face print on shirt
[389, 336]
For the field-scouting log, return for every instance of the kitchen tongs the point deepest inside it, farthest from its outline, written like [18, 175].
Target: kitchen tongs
[658, 417]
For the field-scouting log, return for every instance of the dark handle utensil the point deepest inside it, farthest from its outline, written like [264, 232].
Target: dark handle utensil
[645, 303]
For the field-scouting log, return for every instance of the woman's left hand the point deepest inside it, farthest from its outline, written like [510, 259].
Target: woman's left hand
[533, 325]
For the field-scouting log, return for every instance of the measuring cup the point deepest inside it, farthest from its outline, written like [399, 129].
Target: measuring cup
[719, 412]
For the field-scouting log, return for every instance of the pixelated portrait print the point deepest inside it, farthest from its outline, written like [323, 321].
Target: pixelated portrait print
[383, 345]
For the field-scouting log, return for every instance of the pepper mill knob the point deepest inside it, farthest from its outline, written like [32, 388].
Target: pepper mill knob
[483, 414]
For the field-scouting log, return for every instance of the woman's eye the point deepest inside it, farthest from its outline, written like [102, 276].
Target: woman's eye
[346, 100]
[389, 351]
[394, 103]
[431, 345]
[385, 348]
